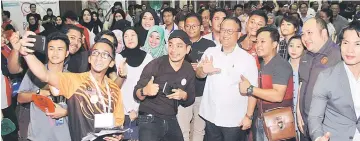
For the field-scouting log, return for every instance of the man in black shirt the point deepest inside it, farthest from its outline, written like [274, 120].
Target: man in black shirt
[33, 13]
[165, 83]
[190, 115]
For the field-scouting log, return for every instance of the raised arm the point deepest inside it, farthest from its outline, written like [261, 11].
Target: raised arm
[13, 59]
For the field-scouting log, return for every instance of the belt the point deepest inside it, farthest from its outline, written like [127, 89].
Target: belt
[145, 114]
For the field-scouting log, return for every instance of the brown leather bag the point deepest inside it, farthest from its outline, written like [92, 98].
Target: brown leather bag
[279, 123]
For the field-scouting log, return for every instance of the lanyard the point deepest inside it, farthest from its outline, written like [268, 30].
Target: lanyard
[99, 93]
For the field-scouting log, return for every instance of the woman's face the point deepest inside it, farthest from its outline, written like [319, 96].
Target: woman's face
[154, 39]
[148, 21]
[295, 48]
[287, 28]
[94, 17]
[118, 17]
[270, 20]
[206, 18]
[49, 12]
[58, 21]
[120, 46]
[130, 39]
[32, 20]
[100, 12]
[87, 16]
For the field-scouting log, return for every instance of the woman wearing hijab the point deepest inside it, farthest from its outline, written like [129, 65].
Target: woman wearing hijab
[59, 23]
[86, 21]
[34, 25]
[50, 18]
[155, 42]
[95, 18]
[119, 20]
[148, 19]
[131, 61]
[118, 35]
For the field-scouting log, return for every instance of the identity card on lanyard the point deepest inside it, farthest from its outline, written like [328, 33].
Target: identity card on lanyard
[106, 119]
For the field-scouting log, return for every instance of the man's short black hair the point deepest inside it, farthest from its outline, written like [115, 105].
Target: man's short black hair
[179, 19]
[170, 10]
[32, 5]
[196, 15]
[218, 10]
[291, 19]
[312, 3]
[274, 33]
[66, 28]
[118, 3]
[354, 25]
[106, 41]
[58, 36]
[335, 3]
[6, 13]
[235, 19]
[307, 6]
[329, 13]
[70, 15]
[106, 32]
[238, 5]
[260, 13]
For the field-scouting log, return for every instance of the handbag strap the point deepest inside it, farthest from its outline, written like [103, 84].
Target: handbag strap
[260, 100]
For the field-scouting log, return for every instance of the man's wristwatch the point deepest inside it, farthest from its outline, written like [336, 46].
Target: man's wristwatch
[142, 92]
[250, 117]
[38, 91]
[250, 90]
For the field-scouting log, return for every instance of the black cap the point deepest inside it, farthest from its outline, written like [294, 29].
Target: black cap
[182, 35]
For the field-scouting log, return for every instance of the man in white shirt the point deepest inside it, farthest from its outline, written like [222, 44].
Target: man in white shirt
[227, 114]
[168, 17]
[335, 110]
[304, 12]
[216, 19]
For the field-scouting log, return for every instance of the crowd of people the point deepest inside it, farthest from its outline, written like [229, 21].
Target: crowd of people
[259, 71]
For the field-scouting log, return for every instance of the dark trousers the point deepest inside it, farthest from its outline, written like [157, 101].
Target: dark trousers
[153, 128]
[217, 133]
[304, 138]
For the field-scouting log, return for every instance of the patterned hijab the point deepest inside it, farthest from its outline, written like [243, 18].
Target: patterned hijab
[161, 49]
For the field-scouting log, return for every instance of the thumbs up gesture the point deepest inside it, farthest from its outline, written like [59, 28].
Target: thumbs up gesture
[208, 67]
[122, 69]
[243, 85]
[151, 89]
[326, 137]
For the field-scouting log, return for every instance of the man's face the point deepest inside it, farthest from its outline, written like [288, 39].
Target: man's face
[212, 4]
[4, 17]
[324, 17]
[229, 33]
[165, 6]
[32, 20]
[56, 51]
[335, 8]
[264, 44]
[312, 37]
[177, 49]
[303, 9]
[350, 48]
[143, 7]
[315, 5]
[293, 8]
[287, 28]
[254, 23]
[33, 8]
[168, 18]
[206, 18]
[216, 21]
[192, 27]
[101, 57]
[238, 11]
[185, 8]
[75, 40]
[191, 7]
[117, 7]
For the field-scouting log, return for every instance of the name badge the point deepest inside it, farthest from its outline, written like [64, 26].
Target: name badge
[105, 120]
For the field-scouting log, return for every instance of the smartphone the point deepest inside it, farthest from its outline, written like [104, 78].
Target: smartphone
[167, 90]
[39, 44]
[8, 34]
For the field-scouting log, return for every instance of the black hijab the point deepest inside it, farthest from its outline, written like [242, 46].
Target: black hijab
[97, 21]
[142, 32]
[134, 57]
[120, 25]
[59, 26]
[90, 25]
[122, 13]
[35, 26]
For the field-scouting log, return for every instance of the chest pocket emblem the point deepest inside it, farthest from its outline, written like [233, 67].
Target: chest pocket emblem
[183, 82]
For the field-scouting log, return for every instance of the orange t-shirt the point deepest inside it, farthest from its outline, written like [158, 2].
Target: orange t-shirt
[87, 36]
[78, 88]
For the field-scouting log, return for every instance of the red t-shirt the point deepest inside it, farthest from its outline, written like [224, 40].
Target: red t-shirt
[87, 36]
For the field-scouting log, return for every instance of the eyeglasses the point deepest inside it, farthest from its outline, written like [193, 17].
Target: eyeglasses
[104, 55]
[192, 26]
[228, 31]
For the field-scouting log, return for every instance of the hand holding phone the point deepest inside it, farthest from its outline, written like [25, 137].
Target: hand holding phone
[39, 44]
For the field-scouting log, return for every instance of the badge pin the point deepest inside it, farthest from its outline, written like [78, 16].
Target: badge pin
[94, 99]
[183, 82]
[324, 60]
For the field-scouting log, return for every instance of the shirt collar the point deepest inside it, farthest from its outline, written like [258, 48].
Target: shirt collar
[349, 74]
